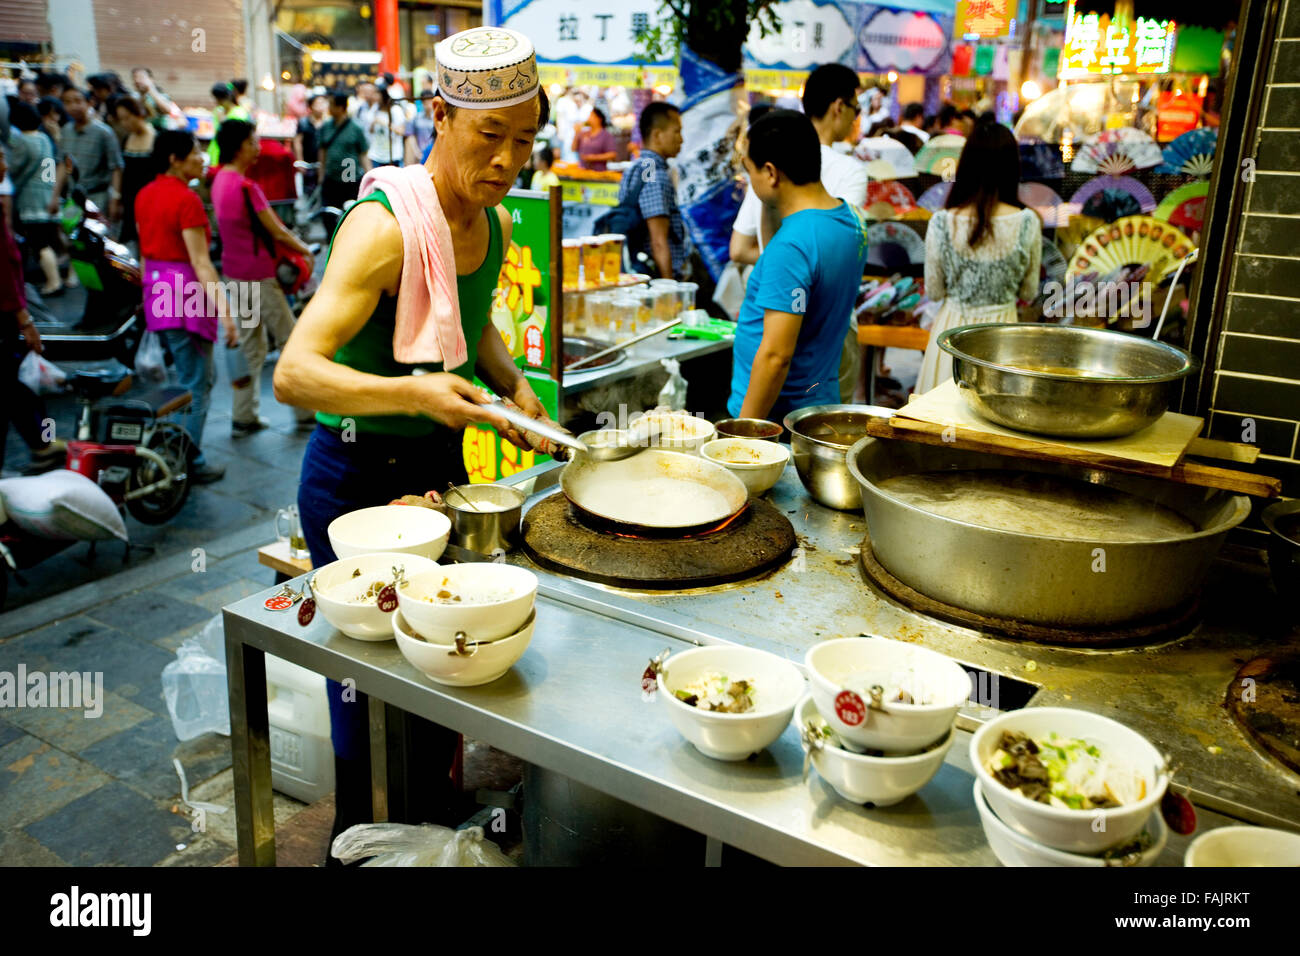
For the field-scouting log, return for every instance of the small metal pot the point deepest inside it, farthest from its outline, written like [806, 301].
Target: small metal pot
[1064, 381]
[1282, 518]
[749, 428]
[820, 435]
[484, 531]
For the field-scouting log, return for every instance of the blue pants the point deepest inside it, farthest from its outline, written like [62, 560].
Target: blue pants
[192, 359]
[338, 477]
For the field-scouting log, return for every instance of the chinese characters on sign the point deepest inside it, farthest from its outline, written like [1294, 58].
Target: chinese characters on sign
[1097, 45]
[985, 18]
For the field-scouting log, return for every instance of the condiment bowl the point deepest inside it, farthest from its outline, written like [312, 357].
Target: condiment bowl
[860, 778]
[335, 582]
[496, 599]
[1244, 846]
[1016, 849]
[1075, 831]
[778, 685]
[820, 437]
[442, 665]
[484, 518]
[842, 672]
[757, 463]
[673, 431]
[421, 531]
[759, 428]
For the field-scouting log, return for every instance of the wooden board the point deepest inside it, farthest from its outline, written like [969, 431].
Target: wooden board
[1161, 443]
[894, 336]
[276, 556]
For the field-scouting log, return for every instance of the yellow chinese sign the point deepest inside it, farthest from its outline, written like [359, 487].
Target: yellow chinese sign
[985, 18]
[1096, 44]
[589, 191]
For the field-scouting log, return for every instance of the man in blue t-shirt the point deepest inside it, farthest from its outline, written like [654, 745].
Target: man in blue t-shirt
[801, 292]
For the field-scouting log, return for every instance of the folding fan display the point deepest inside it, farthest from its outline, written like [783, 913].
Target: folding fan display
[934, 197]
[1039, 160]
[886, 158]
[940, 154]
[1053, 264]
[1043, 200]
[1075, 230]
[1116, 151]
[898, 196]
[1113, 197]
[1185, 206]
[1192, 153]
[1133, 241]
[892, 245]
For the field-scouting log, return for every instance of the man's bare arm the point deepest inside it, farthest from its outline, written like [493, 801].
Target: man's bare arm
[771, 362]
[660, 250]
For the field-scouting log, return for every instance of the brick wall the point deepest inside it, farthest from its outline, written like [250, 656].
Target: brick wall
[1257, 361]
[159, 34]
[24, 21]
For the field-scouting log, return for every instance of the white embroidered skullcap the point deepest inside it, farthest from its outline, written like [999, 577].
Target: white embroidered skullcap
[486, 67]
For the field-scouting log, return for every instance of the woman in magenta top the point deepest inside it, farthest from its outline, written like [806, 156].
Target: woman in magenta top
[250, 232]
[595, 143]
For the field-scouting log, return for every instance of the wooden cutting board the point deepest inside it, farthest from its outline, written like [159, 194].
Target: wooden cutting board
[1161, 443]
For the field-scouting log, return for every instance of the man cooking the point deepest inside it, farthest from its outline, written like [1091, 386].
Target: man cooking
[386, 352]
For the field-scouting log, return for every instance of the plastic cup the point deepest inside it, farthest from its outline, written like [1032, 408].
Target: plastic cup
[612, 261]
[572, 262]
[667, 305]
[598, 306]
[593, 260]
[575, 323]
[686, 295]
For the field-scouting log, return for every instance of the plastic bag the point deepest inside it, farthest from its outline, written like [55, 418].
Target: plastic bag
[150, 363]
[194, 685]
[402, 844]
[237, 366]
[41, 375]
[673, 394]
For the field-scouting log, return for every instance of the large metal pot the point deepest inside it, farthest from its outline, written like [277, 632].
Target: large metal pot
[819, 437]
[1065, 381]
[1036, 578]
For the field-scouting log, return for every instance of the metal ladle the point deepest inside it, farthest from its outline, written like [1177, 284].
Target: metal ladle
[451, 486]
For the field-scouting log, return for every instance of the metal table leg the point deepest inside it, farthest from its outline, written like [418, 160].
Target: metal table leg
[250, 745]
[379, 758]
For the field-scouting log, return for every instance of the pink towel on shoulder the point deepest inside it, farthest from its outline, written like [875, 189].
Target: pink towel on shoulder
[428, 325]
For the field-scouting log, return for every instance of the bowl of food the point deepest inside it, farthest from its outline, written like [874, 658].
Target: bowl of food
[1244, 846]
[484, 601]
[347, 591]
[820, 437]
[1065, 381]
[878, 694]
[673, 431]
[758, 428]
[729, 701]
[1068, 779]
[1015, 849]
[875, 778]
[484, 518]
[757, 463]
[462, 666]
[421, 531]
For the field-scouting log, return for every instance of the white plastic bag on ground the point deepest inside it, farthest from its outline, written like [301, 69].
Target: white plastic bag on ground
[41, 375]
[194, 685]
[403, 844]
[673, 394]
[150, 363]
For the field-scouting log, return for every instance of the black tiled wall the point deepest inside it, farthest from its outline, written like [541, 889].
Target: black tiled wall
[1257, 363]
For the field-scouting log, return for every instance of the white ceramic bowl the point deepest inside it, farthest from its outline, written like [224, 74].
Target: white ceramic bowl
[881, 781]
[413, 530]
[756, 462]
[863, 661]
[678, 431]
[1075, 831]
[1016, 849]
[333, 583]
[1244, 846]
[497, 599]
[778, 687]
[442, 665]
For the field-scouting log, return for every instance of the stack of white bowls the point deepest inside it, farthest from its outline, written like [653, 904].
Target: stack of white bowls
[469, 641]
[887, 750]
[1024, 832]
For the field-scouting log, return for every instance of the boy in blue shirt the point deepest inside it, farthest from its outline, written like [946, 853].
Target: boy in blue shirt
[801, 292]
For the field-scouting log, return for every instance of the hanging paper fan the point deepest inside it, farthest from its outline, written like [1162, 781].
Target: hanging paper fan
[886, 158]
[1129, 243]
[892, 245]
[1043, 200]
[1075, 230]
[1185, 206]
[918, 214]
[1192, 153]
[1053, 264]
[934, 197]
[898, 196]
[1039, 160]
[1113, 197]
[940, 154]
[1116, 151]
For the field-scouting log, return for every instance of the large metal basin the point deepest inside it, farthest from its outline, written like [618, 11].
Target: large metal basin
[1064, 381]
[820, 435]
[1036, 578]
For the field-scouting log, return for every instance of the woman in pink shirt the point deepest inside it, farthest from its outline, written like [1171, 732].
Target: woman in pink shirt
[250, 231]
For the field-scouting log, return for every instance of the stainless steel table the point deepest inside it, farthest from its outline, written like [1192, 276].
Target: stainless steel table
[645, 357]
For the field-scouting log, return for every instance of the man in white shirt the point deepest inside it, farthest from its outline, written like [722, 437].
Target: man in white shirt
[913, 120]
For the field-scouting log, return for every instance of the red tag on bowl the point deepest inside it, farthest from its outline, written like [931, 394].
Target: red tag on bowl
[850, 708]
[388, 599]
[281, 602]
[1178, 813]
[307, 611]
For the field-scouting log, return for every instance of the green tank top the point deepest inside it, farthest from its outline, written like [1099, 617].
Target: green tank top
[371, 349]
